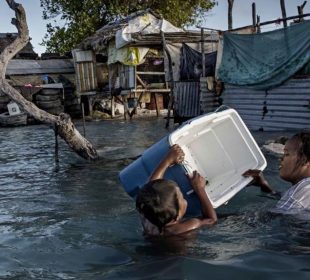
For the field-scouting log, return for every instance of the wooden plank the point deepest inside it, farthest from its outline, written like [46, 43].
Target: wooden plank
[159, 90]
[150, 73]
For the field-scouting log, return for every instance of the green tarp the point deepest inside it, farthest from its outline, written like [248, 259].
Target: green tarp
[265, 60]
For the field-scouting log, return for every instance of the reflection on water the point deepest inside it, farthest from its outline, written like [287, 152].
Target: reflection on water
[76, 222]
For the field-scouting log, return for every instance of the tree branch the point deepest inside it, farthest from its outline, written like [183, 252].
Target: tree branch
[62, 123]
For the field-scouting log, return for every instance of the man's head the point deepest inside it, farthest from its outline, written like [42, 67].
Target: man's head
[295, 164]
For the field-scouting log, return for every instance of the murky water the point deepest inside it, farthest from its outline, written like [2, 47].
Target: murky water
[74, 221]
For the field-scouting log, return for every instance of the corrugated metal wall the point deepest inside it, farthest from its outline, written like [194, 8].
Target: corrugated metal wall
[209, 102]
[186, 99]
[285, 107]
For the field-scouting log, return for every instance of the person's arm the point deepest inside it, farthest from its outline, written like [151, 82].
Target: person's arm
[208, 217]
[175, 155]
[260, 181]
[199, 183]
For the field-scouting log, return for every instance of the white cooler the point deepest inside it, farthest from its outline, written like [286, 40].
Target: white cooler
[218, 145]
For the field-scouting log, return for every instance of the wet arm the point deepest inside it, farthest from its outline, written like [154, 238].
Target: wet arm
[175, 155]
[260, 181]
[208, 213]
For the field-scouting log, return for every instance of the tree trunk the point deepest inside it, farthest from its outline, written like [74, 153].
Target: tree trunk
[230, 20]
[62, 123]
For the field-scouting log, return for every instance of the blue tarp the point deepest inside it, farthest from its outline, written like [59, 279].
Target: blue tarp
[265, 60]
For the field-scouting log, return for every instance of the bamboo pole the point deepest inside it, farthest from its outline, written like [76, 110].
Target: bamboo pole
[273, 21]
[258, 24]
[282, 3]
[254, 15]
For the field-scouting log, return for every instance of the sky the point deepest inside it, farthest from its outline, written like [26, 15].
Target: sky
[216, 18]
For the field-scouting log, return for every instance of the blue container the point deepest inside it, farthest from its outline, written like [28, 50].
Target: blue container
[135, 175]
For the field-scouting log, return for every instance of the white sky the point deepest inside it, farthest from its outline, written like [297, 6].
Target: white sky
[217, 18]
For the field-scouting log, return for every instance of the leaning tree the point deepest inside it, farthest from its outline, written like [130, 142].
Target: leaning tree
[62, 124]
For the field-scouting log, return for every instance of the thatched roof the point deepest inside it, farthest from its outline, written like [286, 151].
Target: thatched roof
[103, 35]
[100, 40]
[8, 38]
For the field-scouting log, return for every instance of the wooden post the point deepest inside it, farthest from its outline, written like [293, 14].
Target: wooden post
[258, 24]
[282, 3]
[301, 11]
[170, 105]
[134, 110]
[230, 20]
[156, 105]
[90, 105]
[83, 115]
[254, 15]
[56, 145]
[203, 53]
[125, 107]
[112, 107]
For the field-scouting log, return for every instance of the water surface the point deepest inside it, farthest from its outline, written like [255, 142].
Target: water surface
[75, 221]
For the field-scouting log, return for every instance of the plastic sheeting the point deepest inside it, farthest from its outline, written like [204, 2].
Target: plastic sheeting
[127, 55]
[191, 64]
[265, 60]
[144, 24]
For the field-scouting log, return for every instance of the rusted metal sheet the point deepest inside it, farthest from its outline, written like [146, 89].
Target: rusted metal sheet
[285, 107]
[186, 99]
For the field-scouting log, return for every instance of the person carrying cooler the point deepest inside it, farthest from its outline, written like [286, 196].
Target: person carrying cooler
[294, 168]
[162, 206]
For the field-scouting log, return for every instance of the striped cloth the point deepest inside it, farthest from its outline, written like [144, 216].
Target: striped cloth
[295, 199]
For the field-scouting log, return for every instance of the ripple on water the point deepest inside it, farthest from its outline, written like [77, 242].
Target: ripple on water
[75, 221]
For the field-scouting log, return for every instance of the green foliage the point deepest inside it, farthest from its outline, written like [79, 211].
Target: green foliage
[70, 21]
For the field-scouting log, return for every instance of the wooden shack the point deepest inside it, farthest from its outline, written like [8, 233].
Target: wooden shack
[142, 53]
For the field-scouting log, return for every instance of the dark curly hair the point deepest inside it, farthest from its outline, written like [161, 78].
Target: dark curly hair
[158, 202]
[303, 139]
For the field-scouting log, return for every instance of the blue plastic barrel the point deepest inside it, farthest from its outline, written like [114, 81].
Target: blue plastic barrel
[135, 175]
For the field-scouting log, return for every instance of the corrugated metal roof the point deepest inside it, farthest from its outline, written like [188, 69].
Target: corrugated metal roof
[49, 66]
[284, 107]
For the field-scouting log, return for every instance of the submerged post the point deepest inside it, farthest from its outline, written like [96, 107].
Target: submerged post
[83, 115]
[56, 145]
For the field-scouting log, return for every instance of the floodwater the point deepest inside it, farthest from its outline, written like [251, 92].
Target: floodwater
[75, 221]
